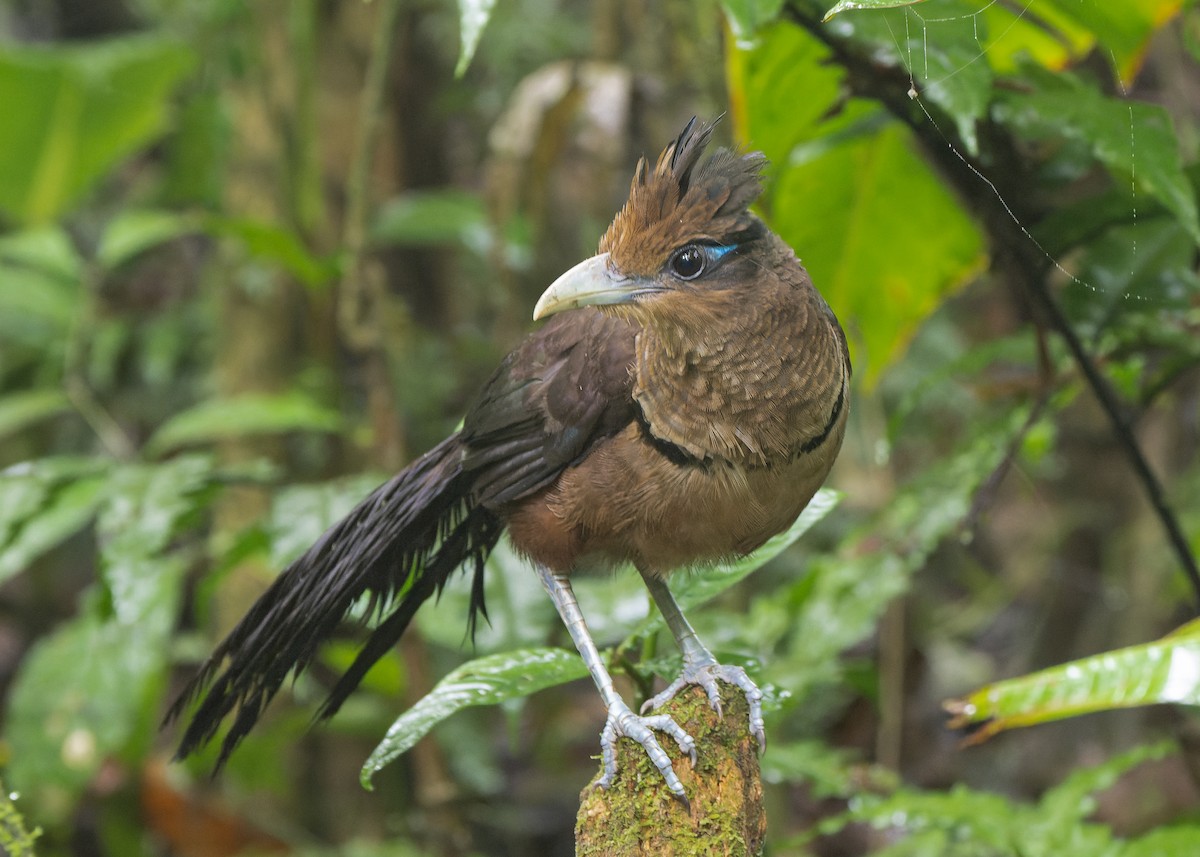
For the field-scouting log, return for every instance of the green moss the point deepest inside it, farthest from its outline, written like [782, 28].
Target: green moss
[639, 815]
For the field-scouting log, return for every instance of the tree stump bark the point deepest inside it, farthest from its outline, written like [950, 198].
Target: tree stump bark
[638, 816]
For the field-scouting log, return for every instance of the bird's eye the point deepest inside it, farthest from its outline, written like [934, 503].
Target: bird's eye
[688, 262]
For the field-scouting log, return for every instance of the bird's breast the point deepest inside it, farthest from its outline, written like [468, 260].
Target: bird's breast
[627, 501]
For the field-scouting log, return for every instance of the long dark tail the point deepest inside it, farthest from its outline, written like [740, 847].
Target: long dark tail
[399, 546]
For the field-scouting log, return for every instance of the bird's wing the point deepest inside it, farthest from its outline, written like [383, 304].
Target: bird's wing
[567, 386]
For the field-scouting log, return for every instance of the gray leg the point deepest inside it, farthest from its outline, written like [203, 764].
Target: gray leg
[621, 719]
[699, 665]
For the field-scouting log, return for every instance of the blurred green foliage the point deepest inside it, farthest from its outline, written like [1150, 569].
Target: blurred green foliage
[192, 357]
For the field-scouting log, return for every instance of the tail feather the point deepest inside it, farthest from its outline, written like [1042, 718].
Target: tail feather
[399, 546]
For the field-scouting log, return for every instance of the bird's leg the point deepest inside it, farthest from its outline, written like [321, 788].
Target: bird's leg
[699, 665]
[621, 719]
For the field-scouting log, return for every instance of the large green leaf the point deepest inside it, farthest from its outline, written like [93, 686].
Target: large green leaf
[1123, 28]
[485, 681]
[945, 58]
[883, 239]
[73, 111]
[1167, 670]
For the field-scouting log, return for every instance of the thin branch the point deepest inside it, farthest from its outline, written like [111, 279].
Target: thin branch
[1014, 250]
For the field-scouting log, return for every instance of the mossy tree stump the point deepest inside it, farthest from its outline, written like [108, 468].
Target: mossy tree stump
[638, 815]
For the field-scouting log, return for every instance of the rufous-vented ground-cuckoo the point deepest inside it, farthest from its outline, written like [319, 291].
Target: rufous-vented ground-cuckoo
[683, 403]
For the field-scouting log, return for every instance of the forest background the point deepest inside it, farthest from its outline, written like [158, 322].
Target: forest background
[256, 256]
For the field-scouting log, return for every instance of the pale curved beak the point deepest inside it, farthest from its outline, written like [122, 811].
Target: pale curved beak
[590, 283]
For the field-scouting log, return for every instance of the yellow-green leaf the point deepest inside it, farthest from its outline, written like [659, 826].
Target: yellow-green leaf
[1167, 670]
[73, 111]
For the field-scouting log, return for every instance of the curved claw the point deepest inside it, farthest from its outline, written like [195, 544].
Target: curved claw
[706, 676]
[623, 722]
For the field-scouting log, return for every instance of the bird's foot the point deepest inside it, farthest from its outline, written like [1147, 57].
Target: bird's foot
[623, 722]
[706, 675]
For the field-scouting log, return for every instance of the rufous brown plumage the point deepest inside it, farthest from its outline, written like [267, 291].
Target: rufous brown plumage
[683, 404]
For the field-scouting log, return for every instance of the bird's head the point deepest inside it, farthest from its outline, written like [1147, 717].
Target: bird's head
[686, 230]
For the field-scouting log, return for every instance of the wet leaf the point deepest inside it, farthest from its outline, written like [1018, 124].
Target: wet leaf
[43, 503]
[1134, 140]
[1167, 670]
[847, 5]
[1123, 28]
[90, 688]
[485, 681]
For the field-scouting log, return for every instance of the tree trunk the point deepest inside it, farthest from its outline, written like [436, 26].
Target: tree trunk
[637, 815]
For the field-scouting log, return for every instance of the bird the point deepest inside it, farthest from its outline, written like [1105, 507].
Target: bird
[682, 403]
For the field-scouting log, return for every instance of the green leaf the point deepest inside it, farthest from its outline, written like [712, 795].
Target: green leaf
[74, 112]
[433, 217]
[519, 613]
[21, 410]
[1167, 670]
[1072, 801]
[1123, 28]
[135, 231]
[485, 681]
[847, 5]
[473, 16]
[962, 822]
[242, 416]
[830, 772]
[1163, 841]
[1135, 141]
[883, 239]
[301, 513]
[785, 59]
[275, 244]
[45, 248]
[90, 688]
[947, 65]
[144, 505]
[39, 289]
[43, 503]
[15, 839]
[747, 17]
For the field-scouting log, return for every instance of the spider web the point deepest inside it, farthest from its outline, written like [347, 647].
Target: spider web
[916, 53]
